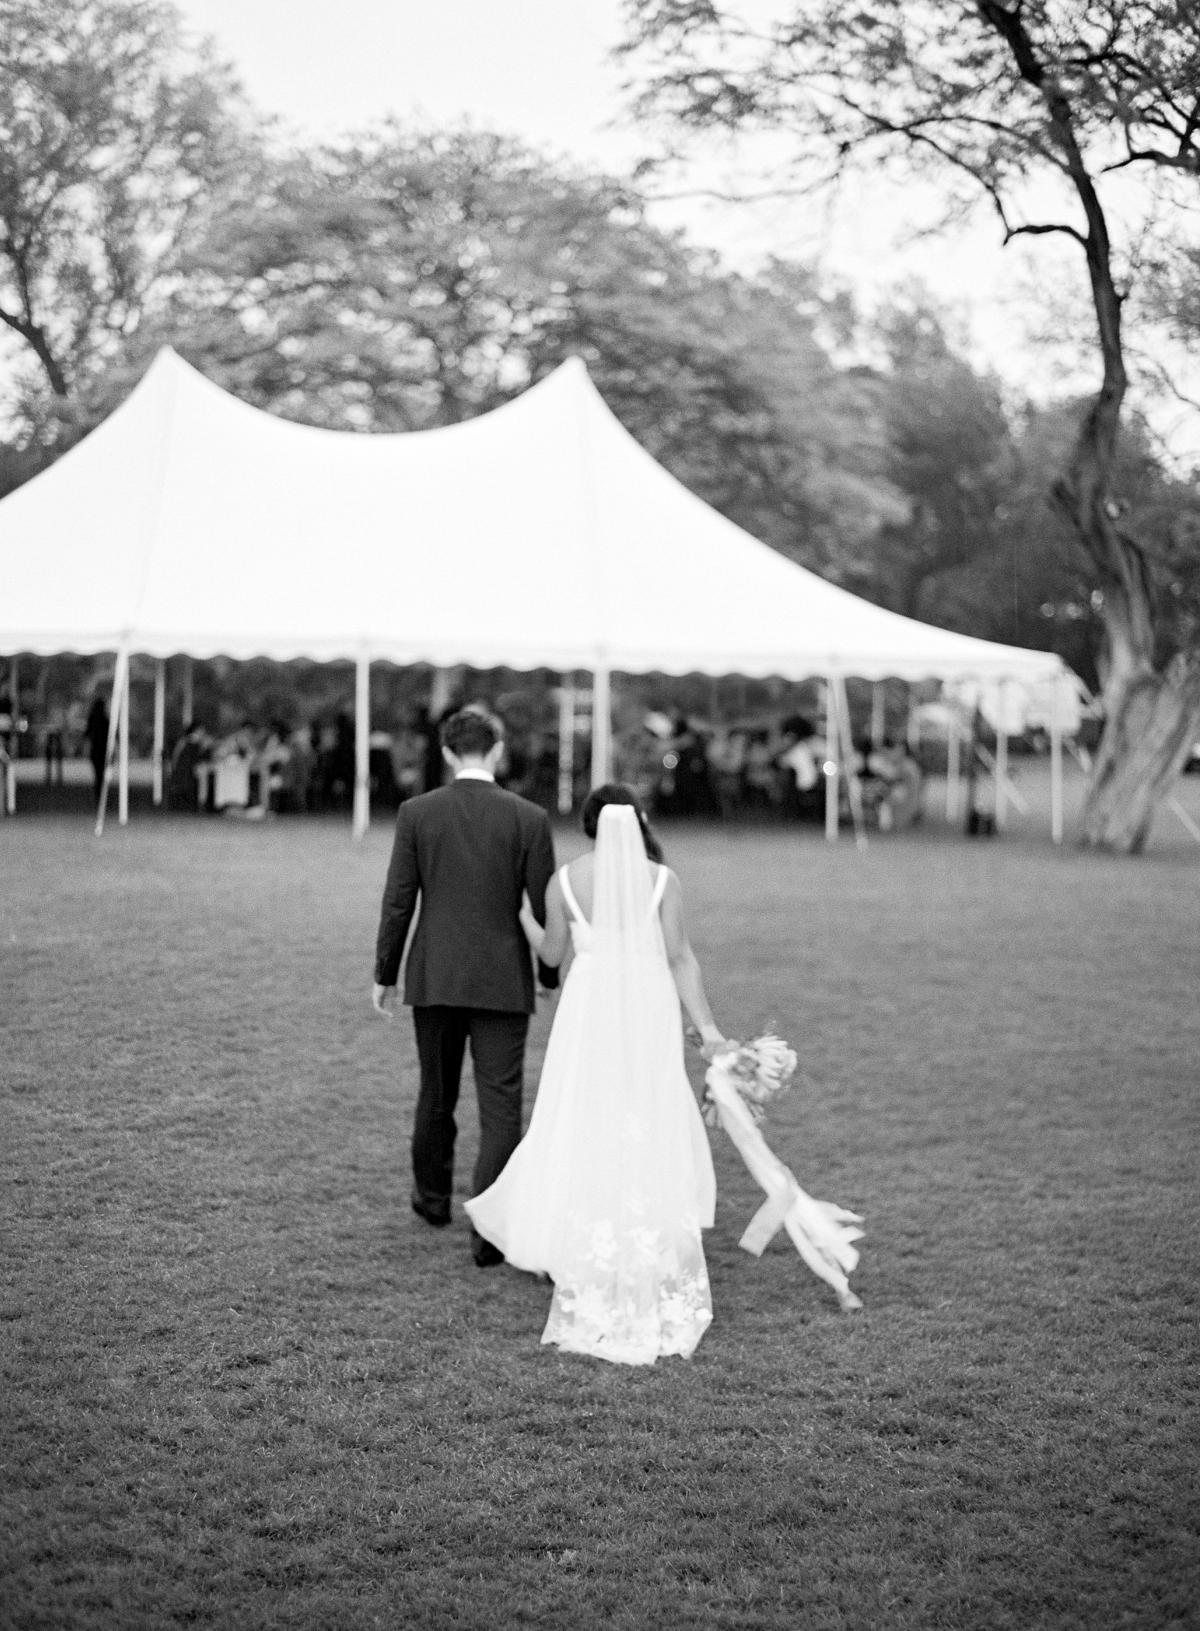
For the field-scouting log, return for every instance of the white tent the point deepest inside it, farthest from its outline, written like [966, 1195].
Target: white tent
[538, 535]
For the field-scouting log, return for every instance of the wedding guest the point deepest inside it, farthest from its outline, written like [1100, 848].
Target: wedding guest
[53, 733]
[800, 767]
[408, 758]
[981, 784]
[343, 766]
[727, 764]
[903, 782]
[191, 750]
[296, 772]
[381, 770]
[686, 787]
[273, 759]
[96, 732]
[760, 776]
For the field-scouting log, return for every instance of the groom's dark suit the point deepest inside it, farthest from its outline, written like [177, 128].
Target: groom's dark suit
[467, 852]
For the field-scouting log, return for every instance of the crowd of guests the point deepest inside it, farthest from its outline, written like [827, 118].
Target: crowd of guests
[686, 767]
[681, 766]
[261, 769]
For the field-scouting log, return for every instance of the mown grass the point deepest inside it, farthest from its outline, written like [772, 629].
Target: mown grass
[244, 1387]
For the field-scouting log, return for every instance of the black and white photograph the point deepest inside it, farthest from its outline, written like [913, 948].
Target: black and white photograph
[599, 815]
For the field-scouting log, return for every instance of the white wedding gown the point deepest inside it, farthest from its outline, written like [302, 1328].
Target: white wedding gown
[613, 1181]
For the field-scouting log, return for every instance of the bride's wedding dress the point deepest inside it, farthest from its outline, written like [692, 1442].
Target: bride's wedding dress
[612, 1183]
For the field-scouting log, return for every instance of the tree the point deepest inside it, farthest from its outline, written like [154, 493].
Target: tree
[409, 279]
[1016, 102]
[950, 451]
[109, 142]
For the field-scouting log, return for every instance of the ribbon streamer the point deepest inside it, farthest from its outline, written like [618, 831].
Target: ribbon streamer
[822, 1233]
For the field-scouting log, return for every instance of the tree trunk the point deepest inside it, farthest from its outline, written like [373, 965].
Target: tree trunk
[1152, 721]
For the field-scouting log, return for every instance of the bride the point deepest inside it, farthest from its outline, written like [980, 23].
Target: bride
[613, 1181]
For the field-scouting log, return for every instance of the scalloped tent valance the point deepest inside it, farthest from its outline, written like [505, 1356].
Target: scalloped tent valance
[538, 535]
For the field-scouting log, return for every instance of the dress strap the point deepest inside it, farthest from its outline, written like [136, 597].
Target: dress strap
[569, 896]
[660, 888]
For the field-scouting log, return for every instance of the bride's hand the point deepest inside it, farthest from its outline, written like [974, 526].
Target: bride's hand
[534, 932]
[713, 1043]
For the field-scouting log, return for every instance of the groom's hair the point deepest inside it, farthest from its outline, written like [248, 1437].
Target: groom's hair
[470, 733]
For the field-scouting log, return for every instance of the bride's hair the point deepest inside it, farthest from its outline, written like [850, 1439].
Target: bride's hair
[619, 793]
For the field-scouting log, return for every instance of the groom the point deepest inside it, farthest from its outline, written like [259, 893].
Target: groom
[468, 852]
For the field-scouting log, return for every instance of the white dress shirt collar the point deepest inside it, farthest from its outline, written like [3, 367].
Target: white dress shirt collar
[471, 774]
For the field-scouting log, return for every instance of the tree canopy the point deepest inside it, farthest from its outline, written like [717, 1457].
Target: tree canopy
[1041, 109]
[109, 142]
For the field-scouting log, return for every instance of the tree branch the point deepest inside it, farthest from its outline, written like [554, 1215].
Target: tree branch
[1037, 231]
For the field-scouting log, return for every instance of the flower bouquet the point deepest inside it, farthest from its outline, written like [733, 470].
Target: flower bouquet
[759, 1070]
[742, 1079]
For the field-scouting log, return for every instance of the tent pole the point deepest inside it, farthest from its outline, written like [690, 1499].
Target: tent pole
[830, 765]
[1056, 765]
[189, 694]
[123, 752]
[113, 717]
[953, 745]
[160, 726]
[362, 744]
[566, 746]
[601, 724]
[1186, 820]
[878, 715]
[853, 783]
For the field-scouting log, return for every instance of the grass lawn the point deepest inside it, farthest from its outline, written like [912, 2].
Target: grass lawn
[242, 1386]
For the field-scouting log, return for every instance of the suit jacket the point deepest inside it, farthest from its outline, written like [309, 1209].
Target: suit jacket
[467, 852]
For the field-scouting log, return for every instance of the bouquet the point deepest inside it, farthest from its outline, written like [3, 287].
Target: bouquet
[742, 1078]
[759, 1070]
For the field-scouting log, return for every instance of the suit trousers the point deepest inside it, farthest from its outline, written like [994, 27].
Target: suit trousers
[497, 1041]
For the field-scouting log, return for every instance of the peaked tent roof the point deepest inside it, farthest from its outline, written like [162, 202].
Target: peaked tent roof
[540, 534]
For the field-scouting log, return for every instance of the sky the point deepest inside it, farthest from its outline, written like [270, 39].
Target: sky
[539, 69]
[542, 70]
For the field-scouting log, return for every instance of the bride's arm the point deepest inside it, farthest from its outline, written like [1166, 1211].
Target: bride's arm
[685, 970]
[549, 944]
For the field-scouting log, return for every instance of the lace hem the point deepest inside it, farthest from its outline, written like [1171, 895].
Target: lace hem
[631, 1295]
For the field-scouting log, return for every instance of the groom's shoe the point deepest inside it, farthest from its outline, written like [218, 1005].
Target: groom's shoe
[485, 1254]
[437, 1217]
